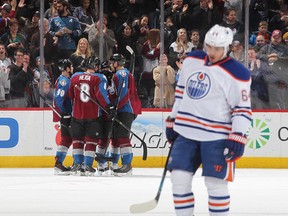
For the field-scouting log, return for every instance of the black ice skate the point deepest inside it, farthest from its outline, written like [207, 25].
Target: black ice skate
[77, 169]
[124, 170]
[60, 169]
[89, 171]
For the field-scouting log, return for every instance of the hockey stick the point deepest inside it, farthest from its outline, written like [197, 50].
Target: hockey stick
[148, 206]
[132, 59]
[99, 157]
[118, 121]
[53, 109]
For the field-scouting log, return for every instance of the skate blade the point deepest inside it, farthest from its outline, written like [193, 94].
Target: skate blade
[103, 173]
[129, 173]
[89, 174]
[78, 173]
[61, 173]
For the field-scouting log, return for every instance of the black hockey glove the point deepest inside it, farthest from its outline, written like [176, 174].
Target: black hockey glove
[111, 112]
[235, 145]
[171, 135]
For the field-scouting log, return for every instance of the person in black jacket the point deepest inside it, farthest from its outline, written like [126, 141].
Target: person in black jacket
[19, 77]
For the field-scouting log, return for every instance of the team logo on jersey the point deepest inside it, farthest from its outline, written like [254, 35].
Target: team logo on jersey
[123, 73]
[63, 82]
[111, 89]
[198, 85]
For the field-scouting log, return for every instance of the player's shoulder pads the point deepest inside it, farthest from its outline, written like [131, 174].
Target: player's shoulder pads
[236, 70]
[199, 54]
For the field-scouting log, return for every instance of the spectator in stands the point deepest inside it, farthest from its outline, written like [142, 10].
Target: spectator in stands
[66, 28]
[4, 59]
[109, 40]
[277, 84]
[179, 48]
[141, 26]
[260, 42]
[4, 77]
[7, 11]
[86, 15]
[258, 11]
[137, 8]
[82, 53]
[37, 73]
[52, 11]
[13, 39]
[152, 9]
[280, 20]
[125, 35]
[195, 40]
[205, 15]
[276, 54]
[47, 93]
[30, 93]
[32, 27]
[237, 4]
[118, 11]
[237, 52]
[262, 30]
[150, 55]
[27, 8]
[180, 14]
[164, 77]
[232, 23]
[50, 49]
[274, 50]
[170, 33]
[259, 87]
[18, 80]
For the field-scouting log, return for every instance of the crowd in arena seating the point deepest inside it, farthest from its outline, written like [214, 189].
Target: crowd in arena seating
[72, 31]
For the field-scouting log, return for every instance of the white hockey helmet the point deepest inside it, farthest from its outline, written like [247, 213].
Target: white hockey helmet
[219, 36]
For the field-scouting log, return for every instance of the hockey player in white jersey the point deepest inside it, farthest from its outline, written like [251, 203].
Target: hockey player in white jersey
[208, 123]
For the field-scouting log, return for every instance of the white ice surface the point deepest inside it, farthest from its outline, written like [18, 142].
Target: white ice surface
[255, 192]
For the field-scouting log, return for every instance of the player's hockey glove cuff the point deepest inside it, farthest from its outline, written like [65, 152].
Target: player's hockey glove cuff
[111, 112]
[171, 135]
[65, 119]
[235, 145]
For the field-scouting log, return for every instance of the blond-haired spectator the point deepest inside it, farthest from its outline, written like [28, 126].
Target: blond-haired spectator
[82, 53]
[164, 76]
[179, 48]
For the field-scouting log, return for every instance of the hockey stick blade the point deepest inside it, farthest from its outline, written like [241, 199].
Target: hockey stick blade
[147, 206]
[130, 50]
[132, 59]
[143, 207]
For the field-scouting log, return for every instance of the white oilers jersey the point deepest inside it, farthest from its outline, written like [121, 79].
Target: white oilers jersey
[212, 100]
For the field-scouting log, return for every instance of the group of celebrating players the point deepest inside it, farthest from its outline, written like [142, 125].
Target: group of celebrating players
[87, 103]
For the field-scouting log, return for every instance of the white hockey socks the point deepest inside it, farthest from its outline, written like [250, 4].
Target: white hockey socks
[219, 198]
[182, 192]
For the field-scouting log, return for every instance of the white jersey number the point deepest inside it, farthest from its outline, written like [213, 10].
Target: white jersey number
[83, 97]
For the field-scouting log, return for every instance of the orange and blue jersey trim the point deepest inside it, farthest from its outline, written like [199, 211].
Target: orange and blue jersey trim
[189, 120]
